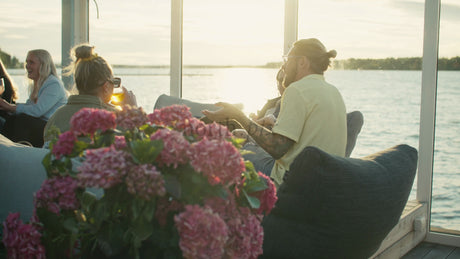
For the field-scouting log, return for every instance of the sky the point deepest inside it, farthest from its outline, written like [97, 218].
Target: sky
[236, 32]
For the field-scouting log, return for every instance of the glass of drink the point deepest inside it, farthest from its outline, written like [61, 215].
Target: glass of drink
[118, 95]
[2, 85]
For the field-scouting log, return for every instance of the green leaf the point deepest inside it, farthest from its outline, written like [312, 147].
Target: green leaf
[253, 201]
[142, 230]
[47, 163]
[149, 210]
[71, 225]
[104, 139]
[255, 186]
[87, 200]
[146, 151]
[148, 129]
[172, 185]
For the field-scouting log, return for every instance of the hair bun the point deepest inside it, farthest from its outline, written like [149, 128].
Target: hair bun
[83, 51]
[332, 53]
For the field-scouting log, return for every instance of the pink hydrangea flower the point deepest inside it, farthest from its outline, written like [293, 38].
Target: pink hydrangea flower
[267, 197]
[145, 181]
[120, 142]
[164, 207]
[64, 145]
[218, 160]
[195, 226]
[103, 168]
[131, 117]
[175, 147]
[217, 131]
[226, 208]
[57, 194]
[88, 120]
[22, 240]
[246, 235]
[192, 126]
[170, 115]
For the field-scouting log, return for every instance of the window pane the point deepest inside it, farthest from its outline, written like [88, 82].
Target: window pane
[25, 27]
[129, 34]
[385, 89]
[446, 168]
[242, 36]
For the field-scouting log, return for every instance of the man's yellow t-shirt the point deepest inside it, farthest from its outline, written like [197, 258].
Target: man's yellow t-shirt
[312, 114]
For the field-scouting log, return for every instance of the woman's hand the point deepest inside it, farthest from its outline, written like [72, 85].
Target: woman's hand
[130, 98]
[6, 106]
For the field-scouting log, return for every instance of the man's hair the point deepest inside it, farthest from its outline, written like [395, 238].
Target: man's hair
[316, 53]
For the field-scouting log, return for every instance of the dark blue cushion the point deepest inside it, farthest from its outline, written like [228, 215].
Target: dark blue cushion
[336, 207]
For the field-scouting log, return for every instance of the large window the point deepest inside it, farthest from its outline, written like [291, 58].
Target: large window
[360, 30]
[134, 37]
[446, 168]
[27, 25]
[227, 45]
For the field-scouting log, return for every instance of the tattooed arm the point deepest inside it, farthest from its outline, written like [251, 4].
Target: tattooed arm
[276, 145]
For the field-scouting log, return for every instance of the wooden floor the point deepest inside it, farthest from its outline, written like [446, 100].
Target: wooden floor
[433, 251]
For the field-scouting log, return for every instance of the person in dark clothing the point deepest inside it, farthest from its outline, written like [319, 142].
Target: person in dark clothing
[7, 92]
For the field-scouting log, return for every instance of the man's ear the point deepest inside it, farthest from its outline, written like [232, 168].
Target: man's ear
[304, 62]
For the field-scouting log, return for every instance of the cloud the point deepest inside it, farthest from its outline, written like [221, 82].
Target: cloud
[449, 11]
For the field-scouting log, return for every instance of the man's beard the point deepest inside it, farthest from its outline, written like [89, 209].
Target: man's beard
[289, 78]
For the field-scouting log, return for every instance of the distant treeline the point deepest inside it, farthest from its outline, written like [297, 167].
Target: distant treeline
[386, 64]
[394, 64]
[10, 61]
[348, 64]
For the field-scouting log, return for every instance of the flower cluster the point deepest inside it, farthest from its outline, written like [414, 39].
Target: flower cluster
[57, 194]
[130, 184]
[22, 240]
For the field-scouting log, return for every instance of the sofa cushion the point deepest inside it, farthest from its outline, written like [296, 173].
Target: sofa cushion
[336, 207]
[195, 107]
[21, 175]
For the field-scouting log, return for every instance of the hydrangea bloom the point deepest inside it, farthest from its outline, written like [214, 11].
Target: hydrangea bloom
[119, 142]
[246, 235]
[57, 194]
[22, 240]
[217, 131]
[195, 226]
[88, 120]
[103, 168]
[267, 197]
[131, 117]
[192, 126]
[64, 145]
[145, 181]
[219, 161]
[170, 115]
[226, 208]
[175, 147]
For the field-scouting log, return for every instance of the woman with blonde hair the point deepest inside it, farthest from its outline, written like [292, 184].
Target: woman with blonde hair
[46, 95]
[95, 83]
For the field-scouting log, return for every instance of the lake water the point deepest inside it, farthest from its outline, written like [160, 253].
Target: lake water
[389, 100]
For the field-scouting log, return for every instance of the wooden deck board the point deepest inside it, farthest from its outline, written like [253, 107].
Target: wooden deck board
[455, 254]
[433, 251]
